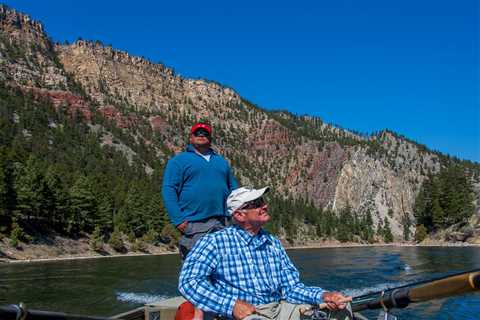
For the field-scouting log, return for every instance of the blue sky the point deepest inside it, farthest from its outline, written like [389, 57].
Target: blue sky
[409, 66]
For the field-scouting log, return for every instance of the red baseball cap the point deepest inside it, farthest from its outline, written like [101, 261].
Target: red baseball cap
[201, 125]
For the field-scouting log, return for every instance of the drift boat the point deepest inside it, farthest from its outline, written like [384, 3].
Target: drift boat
[385, 301]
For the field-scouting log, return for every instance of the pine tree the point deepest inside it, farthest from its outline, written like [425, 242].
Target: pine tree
[156, 216]
[423, 204]
[345, 225]
[438, 216]
[420, 233]
[96, 239]
[105, 202]
[29, 187]
[133, 214]
[82, 207]
[406, 224]
[444, 199]
[55, 196]
[367, 227]
[380, 232]
[7, 191]
[387, 232]
[457, 200]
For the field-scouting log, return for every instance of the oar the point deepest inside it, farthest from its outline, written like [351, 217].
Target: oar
[402, 296]
[412, 284]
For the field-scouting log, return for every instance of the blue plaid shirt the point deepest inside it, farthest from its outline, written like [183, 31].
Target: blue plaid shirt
[232, 264]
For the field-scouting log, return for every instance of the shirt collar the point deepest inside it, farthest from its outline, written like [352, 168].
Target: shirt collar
[257, 240]
[190, 148]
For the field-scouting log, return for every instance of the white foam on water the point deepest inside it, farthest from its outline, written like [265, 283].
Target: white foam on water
[143, 298]
[407, 268]
[379, 287]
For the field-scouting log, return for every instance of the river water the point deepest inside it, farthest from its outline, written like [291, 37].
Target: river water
[114, 285]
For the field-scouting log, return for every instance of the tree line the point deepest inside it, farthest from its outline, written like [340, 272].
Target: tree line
[56, 177]
[445, 199]
[289, 216]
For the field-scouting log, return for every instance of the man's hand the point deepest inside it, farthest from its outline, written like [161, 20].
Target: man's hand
[335, 300]
[242, 309]
[182, 226]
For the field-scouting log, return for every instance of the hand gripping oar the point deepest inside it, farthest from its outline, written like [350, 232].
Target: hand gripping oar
[401, 297]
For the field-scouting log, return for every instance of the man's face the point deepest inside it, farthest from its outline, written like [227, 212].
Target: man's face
[254, 213]
[200, 137]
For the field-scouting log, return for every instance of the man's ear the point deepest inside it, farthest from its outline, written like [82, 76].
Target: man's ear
[239, 216]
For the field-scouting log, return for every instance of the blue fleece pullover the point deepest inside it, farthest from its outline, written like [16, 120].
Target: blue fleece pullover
[194, 188]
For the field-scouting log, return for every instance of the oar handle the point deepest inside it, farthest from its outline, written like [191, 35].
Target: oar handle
[460, 284]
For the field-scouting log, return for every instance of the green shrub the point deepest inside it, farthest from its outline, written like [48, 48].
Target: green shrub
[14, 242]
[420, 233]
[96, 240]
[151, 236]
[139, 245]
[116, 241]
[387, 232]
[16, 234]
[170, 235]
[131, 237]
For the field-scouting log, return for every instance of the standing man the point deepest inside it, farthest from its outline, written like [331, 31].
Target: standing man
[196, 184]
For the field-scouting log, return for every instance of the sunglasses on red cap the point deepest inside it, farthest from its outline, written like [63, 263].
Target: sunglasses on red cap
[201, 133]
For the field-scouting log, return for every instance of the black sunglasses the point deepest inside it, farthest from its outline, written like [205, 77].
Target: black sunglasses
[201, 133]
[254, 204]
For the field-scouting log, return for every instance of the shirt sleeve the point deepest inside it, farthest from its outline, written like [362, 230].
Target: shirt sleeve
[293, 290]
[195, 284]
[172, 181]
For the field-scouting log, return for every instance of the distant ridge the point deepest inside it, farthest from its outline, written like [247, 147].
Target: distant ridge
[141, 111]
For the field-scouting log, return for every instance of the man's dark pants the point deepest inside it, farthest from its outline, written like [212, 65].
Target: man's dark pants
[197, 229]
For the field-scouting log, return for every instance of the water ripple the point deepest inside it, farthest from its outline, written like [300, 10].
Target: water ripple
[142, 298]
[354, 292]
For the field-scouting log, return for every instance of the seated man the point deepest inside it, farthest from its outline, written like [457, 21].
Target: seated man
[243, 271]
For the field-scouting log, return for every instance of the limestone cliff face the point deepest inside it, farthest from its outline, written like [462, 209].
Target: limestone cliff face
[384, 185]
[109, 73]
[300, 157]
[26, 53]
[368, 184]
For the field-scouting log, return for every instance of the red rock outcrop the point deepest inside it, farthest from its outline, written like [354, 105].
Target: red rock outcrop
[71, 102]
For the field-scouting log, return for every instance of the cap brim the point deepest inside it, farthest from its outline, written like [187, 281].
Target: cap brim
[257, 194]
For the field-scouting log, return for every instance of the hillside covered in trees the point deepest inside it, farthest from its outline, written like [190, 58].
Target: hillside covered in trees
[86, 131]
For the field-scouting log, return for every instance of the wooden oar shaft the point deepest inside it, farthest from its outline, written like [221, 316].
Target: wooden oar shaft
[402, 297]
[460, 284]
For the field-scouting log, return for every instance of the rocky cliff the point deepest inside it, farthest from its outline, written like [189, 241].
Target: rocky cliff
[299, 156]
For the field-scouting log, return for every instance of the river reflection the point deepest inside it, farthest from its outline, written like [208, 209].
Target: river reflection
[110, 286]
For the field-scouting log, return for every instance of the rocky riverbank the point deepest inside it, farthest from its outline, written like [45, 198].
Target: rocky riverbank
[60, 248]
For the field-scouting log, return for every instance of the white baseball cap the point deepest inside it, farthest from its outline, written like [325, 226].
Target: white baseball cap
[242, 195]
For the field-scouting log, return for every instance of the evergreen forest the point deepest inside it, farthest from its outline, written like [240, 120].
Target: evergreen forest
[58, 177]
[445, 199]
